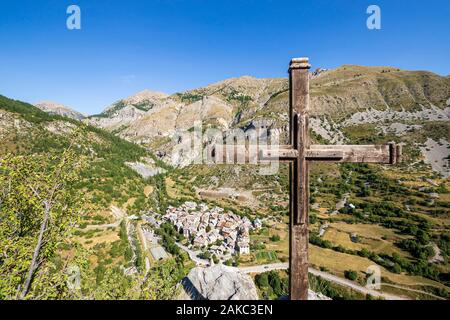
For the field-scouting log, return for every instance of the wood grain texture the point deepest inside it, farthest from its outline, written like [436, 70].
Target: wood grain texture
[356, 153]
[299, 92]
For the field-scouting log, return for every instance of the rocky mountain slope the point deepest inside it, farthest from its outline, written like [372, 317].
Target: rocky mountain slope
[346, 97]
[59, 109]
[116, 185]
[335, 93]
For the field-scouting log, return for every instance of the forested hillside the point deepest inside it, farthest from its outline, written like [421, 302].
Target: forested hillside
[59, 180]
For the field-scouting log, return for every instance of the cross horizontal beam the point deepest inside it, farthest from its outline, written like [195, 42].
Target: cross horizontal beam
[384, 154]
[286, 153]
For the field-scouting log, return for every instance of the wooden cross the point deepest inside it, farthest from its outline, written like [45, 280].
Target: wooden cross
[299, 154]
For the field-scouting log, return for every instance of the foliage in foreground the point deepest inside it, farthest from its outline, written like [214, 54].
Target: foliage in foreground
[39, 208]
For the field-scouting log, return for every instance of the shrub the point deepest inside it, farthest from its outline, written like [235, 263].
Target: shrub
[262, 280]
[275, 238]
[351, 275]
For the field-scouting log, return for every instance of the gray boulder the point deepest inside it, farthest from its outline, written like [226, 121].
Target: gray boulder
[218, 282]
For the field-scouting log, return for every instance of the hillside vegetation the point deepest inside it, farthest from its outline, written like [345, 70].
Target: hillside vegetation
[30, 140]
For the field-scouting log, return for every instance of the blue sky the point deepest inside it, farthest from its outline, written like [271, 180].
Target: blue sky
[171, 45]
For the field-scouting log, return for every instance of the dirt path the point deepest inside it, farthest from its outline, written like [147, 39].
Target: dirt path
[341, 204]
[143, 241]
[118, 214]
[437, 257]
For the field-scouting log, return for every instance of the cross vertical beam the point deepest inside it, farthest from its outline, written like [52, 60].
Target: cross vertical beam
[299, 177]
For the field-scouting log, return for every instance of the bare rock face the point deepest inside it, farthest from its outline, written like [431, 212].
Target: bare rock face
[125, 112]
[218, 282]
[148, 97]
[146, 168]
[121, 117]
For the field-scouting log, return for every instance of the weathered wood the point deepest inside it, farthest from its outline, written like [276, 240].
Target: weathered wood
[399, 153]
[383, 154]
[324, 155]
[395, 153]
[392, 153]
[337, 153]
[299, 106]
[286, 154]
[355, 153]
[283, 153]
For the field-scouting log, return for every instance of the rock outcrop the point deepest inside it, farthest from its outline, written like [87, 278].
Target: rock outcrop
[146, 168]
[218, 282]
[221, 282]
[316, 296]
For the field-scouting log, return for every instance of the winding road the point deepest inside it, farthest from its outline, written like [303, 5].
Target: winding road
[326, 276]
[118, 214]
[344, 282]
[193, 255]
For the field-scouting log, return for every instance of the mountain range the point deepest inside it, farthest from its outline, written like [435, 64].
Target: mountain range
[390, 99]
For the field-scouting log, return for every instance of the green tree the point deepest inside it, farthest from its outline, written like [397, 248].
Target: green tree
[262, 280]
[275, 283]
[275, 238]
[39, 207]
[161, 282]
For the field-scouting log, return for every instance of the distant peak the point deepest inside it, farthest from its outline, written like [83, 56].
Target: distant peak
[59, 109]
[242, 81]
[47, 104]
[354, 67]
[144, 95]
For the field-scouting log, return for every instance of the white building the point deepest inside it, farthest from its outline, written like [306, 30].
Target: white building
[243, 247]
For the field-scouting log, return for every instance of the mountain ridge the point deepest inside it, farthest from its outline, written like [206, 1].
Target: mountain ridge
[386, 98]
[148, 94]
[59, 109]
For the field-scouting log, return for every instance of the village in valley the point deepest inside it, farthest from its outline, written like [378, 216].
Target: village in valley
[221, 233]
